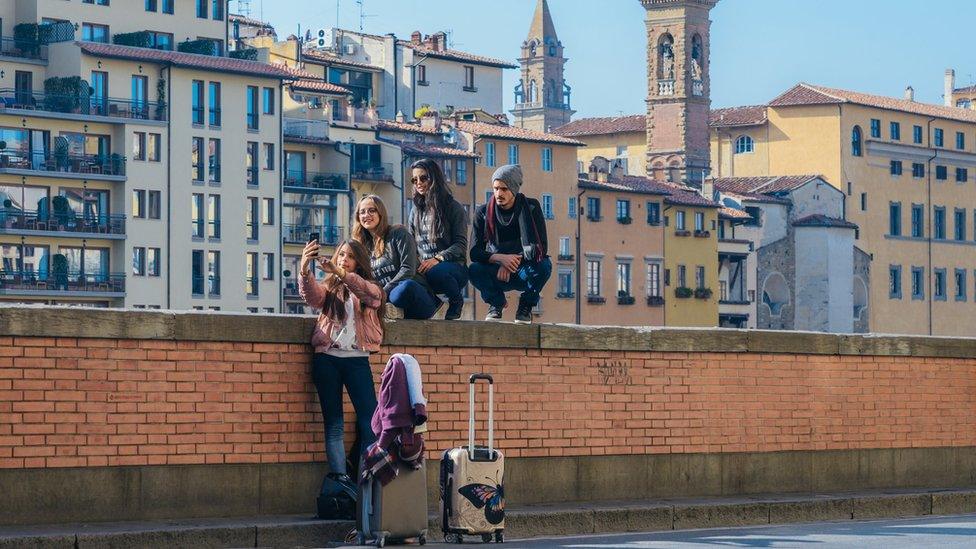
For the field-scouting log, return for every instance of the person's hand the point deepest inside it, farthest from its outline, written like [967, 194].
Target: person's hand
[427, 265]
[309, 254]
[509, 262]
[328, 266]
[503, 275]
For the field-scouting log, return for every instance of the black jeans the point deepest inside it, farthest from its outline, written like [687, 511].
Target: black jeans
[329, 374]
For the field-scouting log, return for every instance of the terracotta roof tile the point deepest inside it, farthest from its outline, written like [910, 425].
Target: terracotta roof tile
[405, 127]
[456, 55]
[820, 220]
[675, 194]
[317, 58]
[753, 115]
[603, 126]
[732, 213]
[186, 60]
[510, 132]
[809, 94]
[435, 151]
[762, 184]
[236, 18]
[626, 184]
[319, 86]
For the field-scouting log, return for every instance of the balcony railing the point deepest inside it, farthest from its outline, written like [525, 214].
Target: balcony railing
[28, 49]
[69, 222]
[697, 88]
[13, 282]
[46, 161]
[329, 235]
[210, 284]
[665, 87]
[11, 98]
[315, 181]
[291, 288]
[306, 129]
[373, 172]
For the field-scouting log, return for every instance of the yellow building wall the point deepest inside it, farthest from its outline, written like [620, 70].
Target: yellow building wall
[691, 252]
[725, 163]
[607, 147]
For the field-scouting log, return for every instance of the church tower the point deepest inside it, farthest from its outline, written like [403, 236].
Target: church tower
[678, 87]
[542, 97]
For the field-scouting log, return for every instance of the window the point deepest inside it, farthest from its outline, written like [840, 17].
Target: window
[196, 215]
[699, 221]
[217, 10]
[138, 203]
[894, 281]
[213, 156]
[895, 131]
[154, 147]
[941, 173]
[623, 279]
[251, 218]
[593, 277]
[960, 141]
[682, 276]
[202, 9]
[155, 204]
[960, 279]
[593, 208]
[875, 128]
[864, 202]
[196, 272]
[653, 213]
[894, 219]
[151, 5]
[267, 266]
[168, 6]
[251, 163]
[744, 144]
[939, 137]
[422, 75]
[918, 170]
[269, 156]
[571, 206]
[939, 222]
[856, 141]
[564, 247]
[213, 216]
[699, 277]
[654, 279]
[939, 285]
[623, 211]
[197, 95]
[268, 101]
[547, 159]
[918, 221]
[959, 228]
[917, 135]
[490, 154]
[679, 220]
[213, 273]
[565, 283]
[447, 167]
[462, 171]
[251, 272]
[138, 261]
[547, 206]
[152, 261]
[267, 211]
[91, 32]
[918, 283]
[513, 154]
[469, 79]
[196, 158]
[139, 146]
[896, 167]
[213, 90]
[252, 107]
[962, 175]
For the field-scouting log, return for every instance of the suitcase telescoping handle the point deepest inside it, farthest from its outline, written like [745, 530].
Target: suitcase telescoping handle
[491, 414]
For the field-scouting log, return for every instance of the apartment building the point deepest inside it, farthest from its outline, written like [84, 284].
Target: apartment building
[140, 176]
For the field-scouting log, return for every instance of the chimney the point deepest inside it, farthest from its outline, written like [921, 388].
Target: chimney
[950, 86]
[909, 94]
[617, 171]
[416, 38]
[431, 119]
[708, 189]
[592, 172]
[400, 117]
[438, 41]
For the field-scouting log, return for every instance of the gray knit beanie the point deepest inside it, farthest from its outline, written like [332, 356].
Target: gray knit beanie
[511, 175]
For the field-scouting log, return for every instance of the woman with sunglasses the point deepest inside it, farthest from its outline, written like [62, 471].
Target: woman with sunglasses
[440, 226]
[393, 255]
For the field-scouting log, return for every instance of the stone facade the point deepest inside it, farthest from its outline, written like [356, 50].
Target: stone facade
[776, 288]
[542, 97]
[862, 282]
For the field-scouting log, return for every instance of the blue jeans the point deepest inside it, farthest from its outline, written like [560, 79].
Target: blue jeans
[416, 301]
[448, 278]
[329, 374]
[529, 279]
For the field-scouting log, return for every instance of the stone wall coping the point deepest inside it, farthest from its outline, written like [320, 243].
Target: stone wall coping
[74, 322]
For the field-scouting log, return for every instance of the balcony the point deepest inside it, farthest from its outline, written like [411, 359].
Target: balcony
[697, 88]
[298, 234]
[32, 223]
[665, 87]
[72, 283]
[13, 99]
[75, 166]
[306, 129]
[299, 181]
[373, 172]
[24, 49]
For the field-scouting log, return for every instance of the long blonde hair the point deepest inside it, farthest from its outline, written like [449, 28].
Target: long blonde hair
[363, 235]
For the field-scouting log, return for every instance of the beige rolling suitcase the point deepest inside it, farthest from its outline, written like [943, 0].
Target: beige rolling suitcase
[396, 512]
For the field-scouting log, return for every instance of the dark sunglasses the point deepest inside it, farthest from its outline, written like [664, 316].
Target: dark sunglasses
[421, 179]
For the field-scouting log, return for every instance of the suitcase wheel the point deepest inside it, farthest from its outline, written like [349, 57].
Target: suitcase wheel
[422, 540]
[485, 538]
[453, 538]
[499, 537]
[380, 540]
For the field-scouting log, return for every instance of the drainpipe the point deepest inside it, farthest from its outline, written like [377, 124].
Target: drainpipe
[280, 153]
[579, 260]
[474, 202]
[413, 83]
[350, 193]
[928, 244]
[169, 183]
[396, 83]
[664, 254]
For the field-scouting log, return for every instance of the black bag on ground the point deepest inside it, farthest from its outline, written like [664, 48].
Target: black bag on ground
[337, 498]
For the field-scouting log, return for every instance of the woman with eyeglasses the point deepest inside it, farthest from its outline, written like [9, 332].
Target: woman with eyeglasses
[439, 224]
[393, 254]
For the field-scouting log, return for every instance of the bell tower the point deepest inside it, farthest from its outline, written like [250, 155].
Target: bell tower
[542, 97]
[678, 87]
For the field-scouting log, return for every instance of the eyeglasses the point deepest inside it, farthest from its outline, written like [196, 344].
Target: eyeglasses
[420, 179]
[368, 211]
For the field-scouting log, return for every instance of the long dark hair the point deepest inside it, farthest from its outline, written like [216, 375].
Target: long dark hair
[336, 292]
[363, 235]
[437, 199]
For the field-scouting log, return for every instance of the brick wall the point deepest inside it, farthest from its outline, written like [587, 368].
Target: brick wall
[77, 401]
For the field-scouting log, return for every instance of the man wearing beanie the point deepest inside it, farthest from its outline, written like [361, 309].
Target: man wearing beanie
[509, 247]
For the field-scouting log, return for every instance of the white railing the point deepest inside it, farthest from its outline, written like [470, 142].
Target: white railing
[697, 88]
[665, 87]
[308, 129]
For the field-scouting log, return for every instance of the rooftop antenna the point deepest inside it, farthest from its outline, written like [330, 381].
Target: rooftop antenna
[338, 2]
[244, 7]
[362, 14]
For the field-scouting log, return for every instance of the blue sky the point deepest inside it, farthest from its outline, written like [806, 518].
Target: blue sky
[760, 48]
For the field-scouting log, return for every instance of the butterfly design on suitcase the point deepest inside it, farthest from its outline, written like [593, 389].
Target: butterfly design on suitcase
[491, 498]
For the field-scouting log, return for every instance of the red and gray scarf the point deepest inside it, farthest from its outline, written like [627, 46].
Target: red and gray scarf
[533, 248]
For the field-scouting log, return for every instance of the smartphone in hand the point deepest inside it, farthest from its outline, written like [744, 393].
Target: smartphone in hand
[314, 237]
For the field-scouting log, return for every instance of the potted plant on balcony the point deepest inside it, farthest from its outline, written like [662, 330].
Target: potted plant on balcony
[703, 293]
[683, 292]
[59, 269]
[655, 300]
[115, 163]
[623, 298]
[64, 216]
[702, 234]
[61, 146]
[625, 220]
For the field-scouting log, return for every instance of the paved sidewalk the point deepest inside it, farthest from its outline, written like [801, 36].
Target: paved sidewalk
[526, 522]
